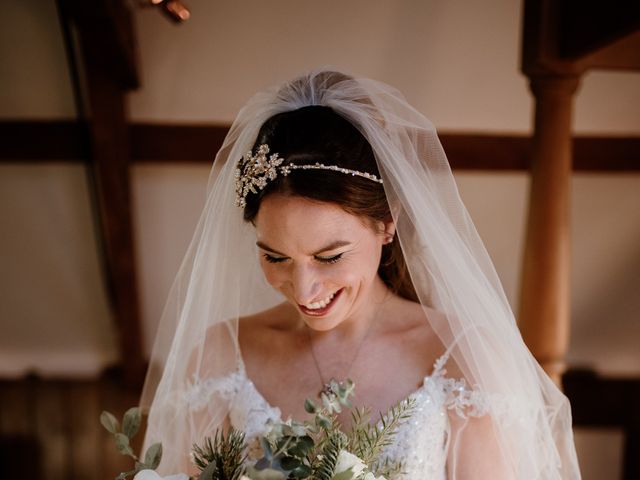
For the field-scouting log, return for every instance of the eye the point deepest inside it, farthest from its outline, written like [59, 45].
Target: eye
[272, 259]
[332, 259]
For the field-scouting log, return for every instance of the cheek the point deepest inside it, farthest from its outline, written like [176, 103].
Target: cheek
[274, 274]
[353, 272]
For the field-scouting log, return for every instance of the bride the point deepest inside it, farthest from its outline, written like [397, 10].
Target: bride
[334, 245]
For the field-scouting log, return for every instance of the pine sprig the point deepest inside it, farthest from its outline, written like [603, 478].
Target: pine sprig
[387, 468]
[221, 458]
[325, 464]
[368, 441]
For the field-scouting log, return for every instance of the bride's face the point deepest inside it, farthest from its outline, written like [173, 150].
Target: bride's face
[321, 258]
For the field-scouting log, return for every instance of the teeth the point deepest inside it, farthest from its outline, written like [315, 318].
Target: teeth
[321, 303]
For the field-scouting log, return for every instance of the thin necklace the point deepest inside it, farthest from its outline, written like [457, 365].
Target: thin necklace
[326, 386]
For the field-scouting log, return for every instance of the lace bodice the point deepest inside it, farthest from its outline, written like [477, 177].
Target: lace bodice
[420, 442]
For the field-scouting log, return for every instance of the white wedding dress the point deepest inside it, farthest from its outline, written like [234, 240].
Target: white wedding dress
[420, 443]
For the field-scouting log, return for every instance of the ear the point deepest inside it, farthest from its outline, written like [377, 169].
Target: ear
[389, 231]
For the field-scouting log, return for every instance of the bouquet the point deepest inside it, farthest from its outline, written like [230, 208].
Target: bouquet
[318, 449]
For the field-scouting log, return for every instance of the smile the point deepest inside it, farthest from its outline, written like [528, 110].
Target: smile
[320, 307]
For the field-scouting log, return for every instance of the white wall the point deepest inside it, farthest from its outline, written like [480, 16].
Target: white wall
[457, 62]
[54, 314]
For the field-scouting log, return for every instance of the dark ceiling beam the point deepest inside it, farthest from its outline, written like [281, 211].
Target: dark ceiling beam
[612, 403]
[107, 26]
[101, 44]
[54, 141]
[589, 25]
[568, 37]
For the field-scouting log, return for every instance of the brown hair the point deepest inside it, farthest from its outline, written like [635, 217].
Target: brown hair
[318, 134]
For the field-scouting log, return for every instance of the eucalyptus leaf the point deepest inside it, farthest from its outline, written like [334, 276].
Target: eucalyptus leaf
[309, 406]
[122, 444]
[302, 446]
[303, 471]
[306, 441]
[290, 463]
[153, 456]
[323, 421]
[109, 422]
[267, 474]
[131, 422]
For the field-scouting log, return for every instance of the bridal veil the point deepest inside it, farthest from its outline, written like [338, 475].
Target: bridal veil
[220, 280]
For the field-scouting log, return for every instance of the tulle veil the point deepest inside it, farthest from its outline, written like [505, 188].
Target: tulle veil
[220, 281]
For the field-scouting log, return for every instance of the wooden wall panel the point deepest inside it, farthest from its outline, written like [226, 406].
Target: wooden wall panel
[50, 430]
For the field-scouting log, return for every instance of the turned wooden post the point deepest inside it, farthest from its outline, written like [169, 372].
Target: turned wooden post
[545, 290]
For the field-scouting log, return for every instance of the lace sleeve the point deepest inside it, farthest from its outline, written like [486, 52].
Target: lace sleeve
[199, 392]
[466, 401]
[457, 396]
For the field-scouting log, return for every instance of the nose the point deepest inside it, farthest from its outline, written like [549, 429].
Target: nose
[306, 283]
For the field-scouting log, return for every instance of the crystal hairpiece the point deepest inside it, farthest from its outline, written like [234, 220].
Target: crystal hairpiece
[254, 172]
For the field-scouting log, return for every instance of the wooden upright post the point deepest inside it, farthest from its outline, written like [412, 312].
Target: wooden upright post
[545, 290]
[561, 40]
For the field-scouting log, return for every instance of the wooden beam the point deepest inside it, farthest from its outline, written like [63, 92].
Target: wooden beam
[43, 141]
[586, 26]
[107, 69]
[600, 402]
[566, 38]
[107, 26]
[46, 141]
[177, 143]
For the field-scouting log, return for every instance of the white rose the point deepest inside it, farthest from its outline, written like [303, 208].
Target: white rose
[371, 476]
[153, 475]
[348, 461]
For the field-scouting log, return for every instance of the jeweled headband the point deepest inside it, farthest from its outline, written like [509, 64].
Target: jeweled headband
[254, 172]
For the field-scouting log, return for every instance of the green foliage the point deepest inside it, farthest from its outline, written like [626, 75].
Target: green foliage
[153, 456]
[367, 440]
[310, 450]
[131, 422]
[325, 464]
[291, 450]
[109, 422]
[221, 458]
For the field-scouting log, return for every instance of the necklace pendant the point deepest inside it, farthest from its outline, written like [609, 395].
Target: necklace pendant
[327, 388]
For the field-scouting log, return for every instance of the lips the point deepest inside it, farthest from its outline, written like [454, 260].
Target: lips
[321, 307]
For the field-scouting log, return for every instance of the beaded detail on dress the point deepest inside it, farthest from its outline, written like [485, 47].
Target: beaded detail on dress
[420, 443]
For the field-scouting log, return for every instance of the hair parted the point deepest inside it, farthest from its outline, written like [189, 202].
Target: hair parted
[317, 134]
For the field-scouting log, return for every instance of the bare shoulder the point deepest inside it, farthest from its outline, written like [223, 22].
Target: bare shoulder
[255, 326]
[410, 325]
[267, 329]
[411, 318]
[279, 317]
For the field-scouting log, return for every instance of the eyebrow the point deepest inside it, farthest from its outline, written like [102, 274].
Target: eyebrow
[331, 246]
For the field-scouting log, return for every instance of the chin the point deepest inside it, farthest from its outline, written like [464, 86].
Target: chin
[321, 324]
